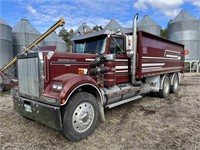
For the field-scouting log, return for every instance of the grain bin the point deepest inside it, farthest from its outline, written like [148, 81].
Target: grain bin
[6, 47]
[23, 35]
[54, 40]
[81, 29]
[113, 25]
[185, 29]
[148, 25]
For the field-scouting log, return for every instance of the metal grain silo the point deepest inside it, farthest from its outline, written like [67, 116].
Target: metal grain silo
[148, 25]
[6, 47]
[113, 25]
[185, 29]
[54, 40]
[23, 35]
[82, 29]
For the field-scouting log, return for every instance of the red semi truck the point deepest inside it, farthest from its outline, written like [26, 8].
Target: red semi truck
[69, 91]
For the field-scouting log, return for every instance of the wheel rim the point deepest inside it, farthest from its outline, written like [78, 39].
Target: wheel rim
[175, 82]
[166, 85]
[83, 117]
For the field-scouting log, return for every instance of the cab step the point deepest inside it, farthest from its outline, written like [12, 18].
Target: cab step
[123, 101]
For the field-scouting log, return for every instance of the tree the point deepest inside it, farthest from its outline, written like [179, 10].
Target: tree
[66, 36]
[97, 28]
[164, 33]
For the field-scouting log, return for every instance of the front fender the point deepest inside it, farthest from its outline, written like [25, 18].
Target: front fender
[70, 82]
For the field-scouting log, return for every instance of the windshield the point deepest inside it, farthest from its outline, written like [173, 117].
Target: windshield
[92, 46]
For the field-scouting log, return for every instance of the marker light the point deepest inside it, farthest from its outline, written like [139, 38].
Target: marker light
[82, 71]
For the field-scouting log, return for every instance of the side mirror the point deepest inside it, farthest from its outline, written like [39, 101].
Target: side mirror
[129, 53]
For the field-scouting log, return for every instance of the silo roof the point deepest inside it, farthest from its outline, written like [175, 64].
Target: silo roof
[146, 20]
[183, 15]
[113, 24]
[24, 26]
[2, 21]
[81, 27]
[54, 37]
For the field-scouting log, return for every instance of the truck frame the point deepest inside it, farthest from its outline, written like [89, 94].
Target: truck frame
[69, 91]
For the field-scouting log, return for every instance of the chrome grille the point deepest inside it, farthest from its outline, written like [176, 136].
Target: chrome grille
[28, 76]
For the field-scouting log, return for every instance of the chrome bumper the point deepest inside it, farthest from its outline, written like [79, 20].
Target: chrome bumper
[43, 113]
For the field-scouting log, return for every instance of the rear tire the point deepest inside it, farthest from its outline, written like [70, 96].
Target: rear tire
[175, 83]
[81, 115]
[164, 92]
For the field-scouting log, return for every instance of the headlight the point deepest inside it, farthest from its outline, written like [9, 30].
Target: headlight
[57, 87]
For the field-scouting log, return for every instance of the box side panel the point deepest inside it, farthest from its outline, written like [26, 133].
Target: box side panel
[158, 56]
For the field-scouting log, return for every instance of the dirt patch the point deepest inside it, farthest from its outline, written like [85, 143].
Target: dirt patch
[149, 123]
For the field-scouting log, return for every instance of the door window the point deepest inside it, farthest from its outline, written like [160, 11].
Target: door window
[117, 45]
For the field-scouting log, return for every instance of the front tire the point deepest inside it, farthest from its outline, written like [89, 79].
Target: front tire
[164, 92]
[81, 115]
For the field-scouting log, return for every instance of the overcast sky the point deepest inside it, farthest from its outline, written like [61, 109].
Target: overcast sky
[44, 13]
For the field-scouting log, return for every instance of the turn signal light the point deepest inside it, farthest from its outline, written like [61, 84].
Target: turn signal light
[82, 71]
[63, 101]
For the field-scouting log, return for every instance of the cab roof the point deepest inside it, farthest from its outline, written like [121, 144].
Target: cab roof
[101, 32]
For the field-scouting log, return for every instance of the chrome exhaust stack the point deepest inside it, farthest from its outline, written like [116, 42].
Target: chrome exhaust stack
[133, 52]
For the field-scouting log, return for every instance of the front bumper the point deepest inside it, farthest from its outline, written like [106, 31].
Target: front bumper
[43, 113]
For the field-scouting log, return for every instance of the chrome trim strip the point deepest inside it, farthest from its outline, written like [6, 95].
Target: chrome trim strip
[145, 57]
[88, 59]
[167, 50]
[173, 56]
[121, 67]
[121, 60]
[159, 69]
[152, 64]
[41, 71]
[121, 71]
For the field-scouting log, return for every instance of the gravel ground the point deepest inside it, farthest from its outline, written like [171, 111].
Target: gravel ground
[149, 123]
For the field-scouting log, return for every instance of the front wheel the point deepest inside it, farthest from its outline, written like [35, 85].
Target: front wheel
[164, 92]
[81, 115]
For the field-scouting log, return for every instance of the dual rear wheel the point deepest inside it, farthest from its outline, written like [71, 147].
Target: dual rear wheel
[175, 83]
[167, 88]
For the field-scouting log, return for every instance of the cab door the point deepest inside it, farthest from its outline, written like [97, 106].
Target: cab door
[122, 62]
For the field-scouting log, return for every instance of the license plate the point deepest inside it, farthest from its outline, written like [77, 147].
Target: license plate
[27, 108]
